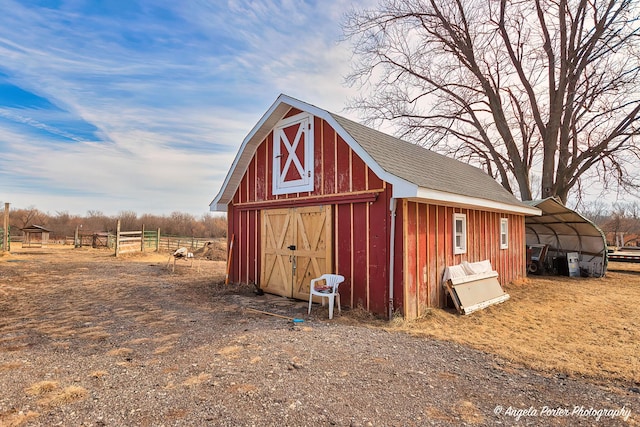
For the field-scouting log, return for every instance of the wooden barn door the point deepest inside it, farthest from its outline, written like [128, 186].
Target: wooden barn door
[277, 236]
[313, 252]
[296, 247]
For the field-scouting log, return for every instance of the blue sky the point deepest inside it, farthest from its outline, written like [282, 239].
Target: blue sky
[141, 105]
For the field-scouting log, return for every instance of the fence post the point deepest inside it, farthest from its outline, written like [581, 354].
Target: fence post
[118, 238]
[158, 241]
[5, 229]
[142, 240]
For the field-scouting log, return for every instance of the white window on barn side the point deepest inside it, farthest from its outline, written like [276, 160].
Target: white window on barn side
[504, 233]
[293, 155]
[459, 233]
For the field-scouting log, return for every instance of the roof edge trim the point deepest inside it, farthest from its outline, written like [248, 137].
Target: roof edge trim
[401, 188]
[475, 202]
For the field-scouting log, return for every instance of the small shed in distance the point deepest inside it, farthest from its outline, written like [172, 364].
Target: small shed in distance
[35, 236]
[311, 192]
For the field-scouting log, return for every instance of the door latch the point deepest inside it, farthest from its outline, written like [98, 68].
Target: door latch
[292, 247]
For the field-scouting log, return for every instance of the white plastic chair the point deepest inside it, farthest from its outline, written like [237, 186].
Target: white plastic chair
[329, 290]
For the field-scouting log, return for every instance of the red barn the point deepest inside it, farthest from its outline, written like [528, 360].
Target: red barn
[310, 192]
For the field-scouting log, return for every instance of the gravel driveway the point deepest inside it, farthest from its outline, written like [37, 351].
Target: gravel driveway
[90, 340]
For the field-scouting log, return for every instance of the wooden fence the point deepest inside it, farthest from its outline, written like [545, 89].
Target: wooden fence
[6, 241]
[142, 240]
[170, 243]
[136, 241]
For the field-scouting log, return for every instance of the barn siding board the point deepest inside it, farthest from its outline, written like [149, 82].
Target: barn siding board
[318, 154]
[373, 181]
[268, 143]
[441, 247]
[478, 237]
[358, 173]
[485, 252]
[237, 247]
[423, 255]
[243, 190]
[251, 195]
[413, 249]
[431, 214]
[342, 247]
[232, 229]
[342, 166]
[328, 151]
[398, 261]
[252, 249]
[359, 254]
[261, 172]
[378, 262]
[242, 245]
[513, 266]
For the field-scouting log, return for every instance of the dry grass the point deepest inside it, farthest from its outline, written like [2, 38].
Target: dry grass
[230, 351]
[243, 388]
[197, 379]
[42, 387]
[123, 351]
[586, 327]
[65, 396]
[98, 374]
[15, 418]
[10, 366]
[469, 413]
[164, 349]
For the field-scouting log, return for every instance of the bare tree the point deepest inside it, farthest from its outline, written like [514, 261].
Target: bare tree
[28, 217]
[623, 223]
[541, 89]
[128, 221]
[597, 211]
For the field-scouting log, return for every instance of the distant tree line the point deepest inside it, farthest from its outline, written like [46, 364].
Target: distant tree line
[620, 222]
[64, 224]
[620, 219]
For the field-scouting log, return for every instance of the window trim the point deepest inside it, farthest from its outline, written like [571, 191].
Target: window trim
[462, 248]
[306, 181]
[504, 233]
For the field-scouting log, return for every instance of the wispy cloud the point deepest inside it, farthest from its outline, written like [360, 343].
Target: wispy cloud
[144, 104]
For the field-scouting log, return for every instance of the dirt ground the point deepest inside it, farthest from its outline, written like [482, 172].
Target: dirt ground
[88, 339]
[587, 327]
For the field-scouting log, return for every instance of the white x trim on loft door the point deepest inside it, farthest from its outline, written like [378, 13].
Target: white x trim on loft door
[293, 160]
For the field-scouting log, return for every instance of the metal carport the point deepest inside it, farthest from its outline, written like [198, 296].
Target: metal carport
[564, 231]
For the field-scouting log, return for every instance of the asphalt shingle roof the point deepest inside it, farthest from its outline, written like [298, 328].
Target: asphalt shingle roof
[415, 171]
[425, 168]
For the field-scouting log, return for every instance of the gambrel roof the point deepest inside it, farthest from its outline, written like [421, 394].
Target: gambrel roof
[414, 172]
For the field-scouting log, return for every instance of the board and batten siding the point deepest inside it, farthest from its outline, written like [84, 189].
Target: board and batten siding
[360, 210]
[427, 248]
[361, 223]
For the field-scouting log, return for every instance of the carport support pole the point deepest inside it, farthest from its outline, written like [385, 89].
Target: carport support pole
[392, 249]
[5, 229]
